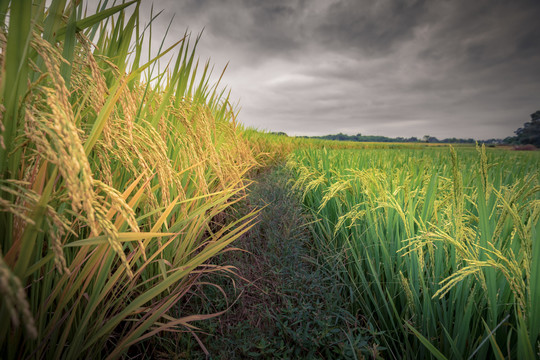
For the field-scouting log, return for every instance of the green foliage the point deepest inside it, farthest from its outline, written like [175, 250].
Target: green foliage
[431, 241]
[291, 307]
[399, 139]
[530, 132]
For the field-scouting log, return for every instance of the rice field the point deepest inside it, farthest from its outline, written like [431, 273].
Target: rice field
[117, 166]
[439, 248]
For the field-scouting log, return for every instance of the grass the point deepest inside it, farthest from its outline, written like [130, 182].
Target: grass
[438, 247]
[285, 305]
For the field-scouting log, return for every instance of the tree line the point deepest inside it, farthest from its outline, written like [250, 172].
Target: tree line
[529, 134]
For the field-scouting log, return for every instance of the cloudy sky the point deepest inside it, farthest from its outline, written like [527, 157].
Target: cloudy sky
[447, 68]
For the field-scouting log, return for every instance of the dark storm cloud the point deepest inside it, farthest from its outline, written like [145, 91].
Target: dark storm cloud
[397, 68]
[370, 27]
[261, 26]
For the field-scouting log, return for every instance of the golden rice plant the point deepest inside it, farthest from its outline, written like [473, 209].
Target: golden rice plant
[110, 173]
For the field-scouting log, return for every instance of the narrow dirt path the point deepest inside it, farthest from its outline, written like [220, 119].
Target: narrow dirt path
[289, 307]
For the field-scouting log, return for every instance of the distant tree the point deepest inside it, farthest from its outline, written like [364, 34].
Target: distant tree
[530, 132]
[342, 137]
[378, 138]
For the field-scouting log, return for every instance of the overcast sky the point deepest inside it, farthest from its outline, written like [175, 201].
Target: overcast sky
[447, 68]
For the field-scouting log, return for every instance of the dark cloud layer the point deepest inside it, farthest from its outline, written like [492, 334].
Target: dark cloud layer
[398, 68]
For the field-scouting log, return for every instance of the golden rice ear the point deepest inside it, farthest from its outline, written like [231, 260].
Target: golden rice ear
[26, 199]
[15, 299]
[59, 138]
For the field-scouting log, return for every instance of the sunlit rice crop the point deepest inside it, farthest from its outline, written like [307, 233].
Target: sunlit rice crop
[111, 173]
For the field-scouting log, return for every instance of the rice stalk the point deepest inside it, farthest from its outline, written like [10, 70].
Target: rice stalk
[427, 240]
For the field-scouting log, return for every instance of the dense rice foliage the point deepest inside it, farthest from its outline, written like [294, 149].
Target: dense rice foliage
[440, 249]
[111, 173]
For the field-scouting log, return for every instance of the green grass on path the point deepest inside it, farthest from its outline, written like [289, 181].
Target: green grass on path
[288, 306]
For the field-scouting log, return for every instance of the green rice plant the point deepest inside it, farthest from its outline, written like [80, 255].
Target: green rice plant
[437, 245]
[111, 173]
